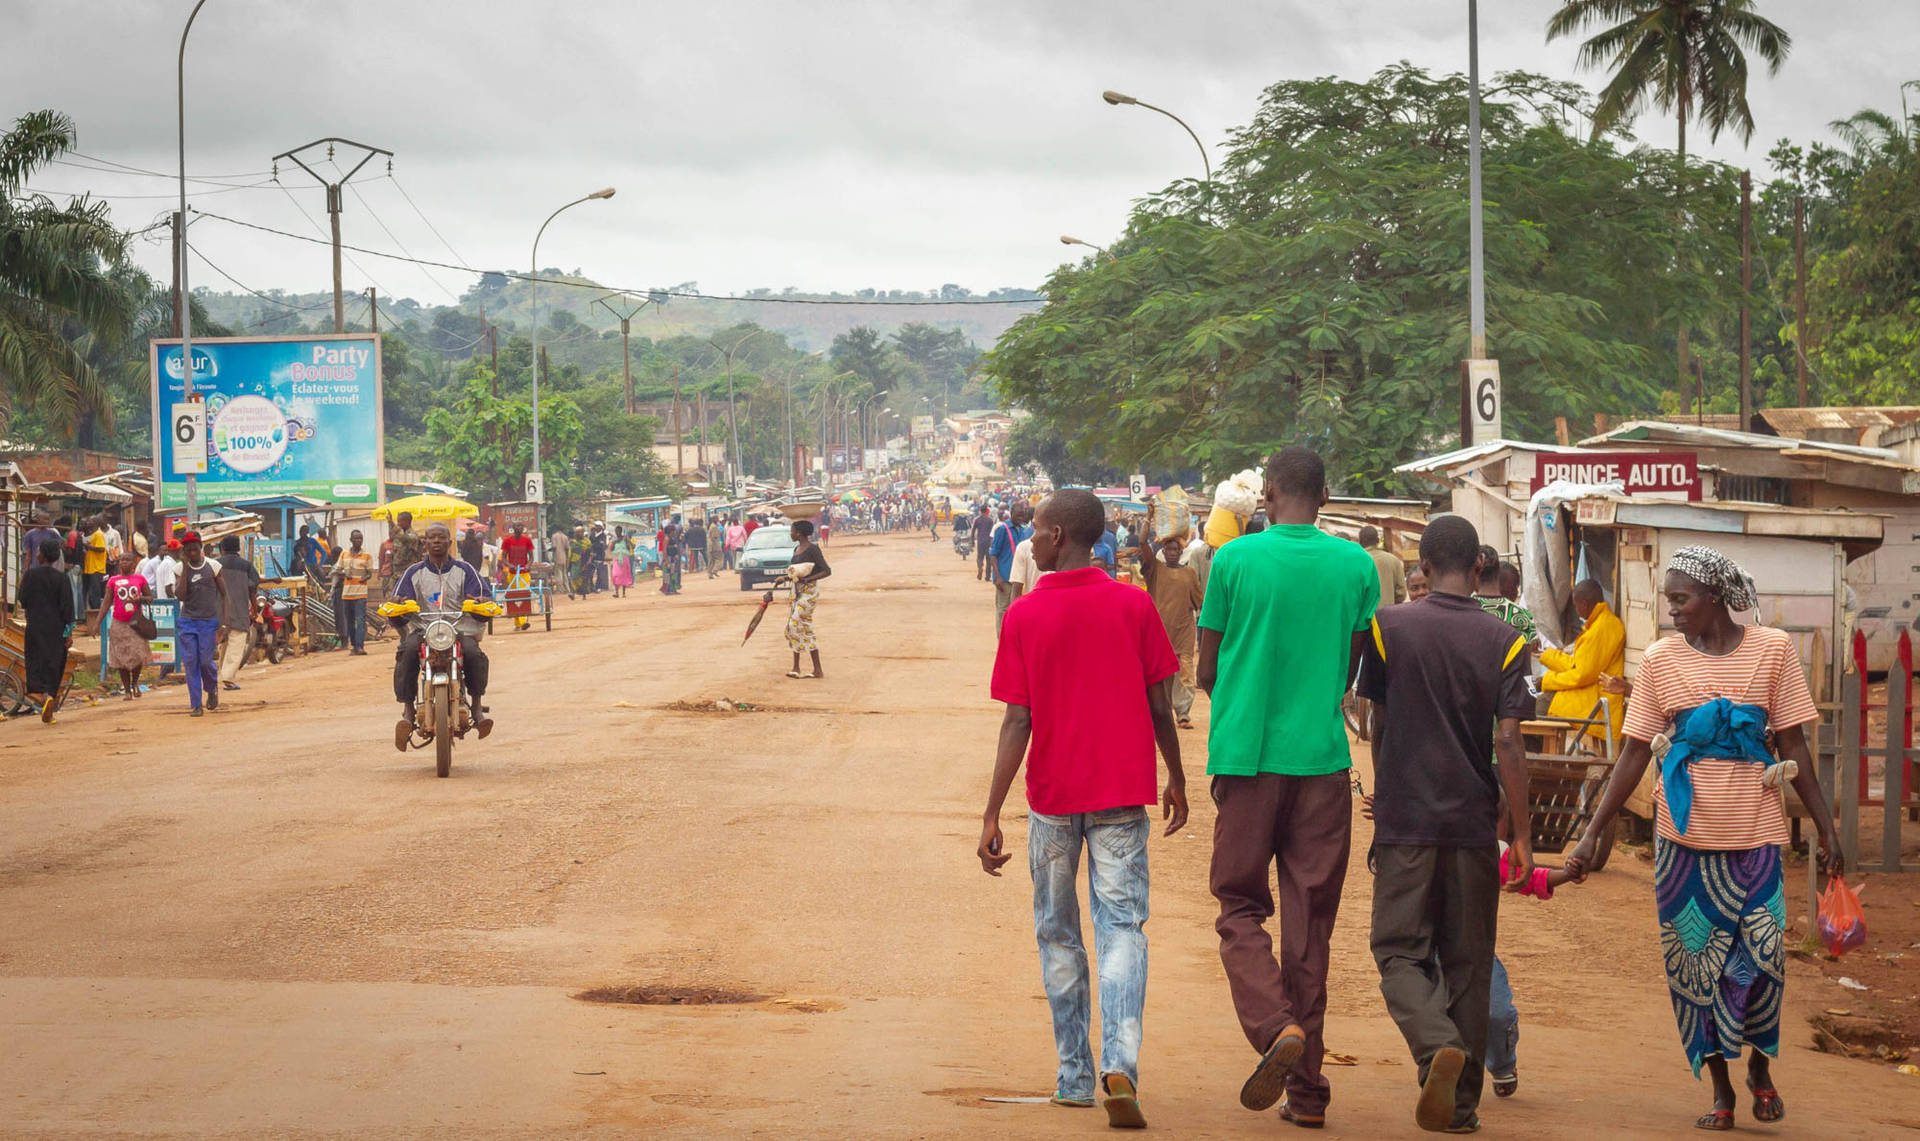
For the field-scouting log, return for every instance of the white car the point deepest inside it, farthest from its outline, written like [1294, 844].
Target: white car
[765, 557]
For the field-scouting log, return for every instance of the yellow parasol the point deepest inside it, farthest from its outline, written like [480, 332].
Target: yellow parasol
[427, 507]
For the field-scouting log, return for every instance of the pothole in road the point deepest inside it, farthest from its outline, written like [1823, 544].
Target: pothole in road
[728, 705]
[670, 996]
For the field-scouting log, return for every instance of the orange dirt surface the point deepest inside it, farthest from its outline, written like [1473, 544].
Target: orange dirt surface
[266, 922]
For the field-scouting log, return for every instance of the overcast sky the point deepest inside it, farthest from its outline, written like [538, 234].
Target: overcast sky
[820, 145]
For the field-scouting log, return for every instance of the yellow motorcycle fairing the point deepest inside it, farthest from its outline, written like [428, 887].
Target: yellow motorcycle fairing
[482, 608]
[398, 609]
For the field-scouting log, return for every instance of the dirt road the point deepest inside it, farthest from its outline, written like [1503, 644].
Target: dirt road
[268, 922]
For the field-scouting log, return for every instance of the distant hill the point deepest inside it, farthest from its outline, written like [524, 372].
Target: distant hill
[505, 302]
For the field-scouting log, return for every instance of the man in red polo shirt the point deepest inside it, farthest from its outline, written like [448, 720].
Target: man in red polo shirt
[1080, 667]
[516, 558]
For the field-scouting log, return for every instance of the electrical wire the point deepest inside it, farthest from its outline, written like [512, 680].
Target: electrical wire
[323, 239]
[108, 166]
[248, 288]
[430, 225]
[382, 223]
[684, 294]
[130, 197]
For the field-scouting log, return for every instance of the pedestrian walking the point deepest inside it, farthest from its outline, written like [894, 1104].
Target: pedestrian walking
[982, 524]
[1393, 571]
[1494, 602]
[1177, 596]
[1714, 689]
[202, 593]
[46, 598]
[808, 567]
[1448, 687]
[559, 550]
[697, 548]
[1287, 609]
[353, 570]
[127, 649]
[736, 538]
[1081, 667]
[242, 581]
[622, 555]
[1007, 538]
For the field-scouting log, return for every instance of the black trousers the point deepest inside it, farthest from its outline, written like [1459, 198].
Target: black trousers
[406, 666]
[1435, 912]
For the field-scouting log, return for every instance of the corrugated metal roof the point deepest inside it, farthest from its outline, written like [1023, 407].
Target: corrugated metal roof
[1655, 430]
[1445, 460]
[1799, 421]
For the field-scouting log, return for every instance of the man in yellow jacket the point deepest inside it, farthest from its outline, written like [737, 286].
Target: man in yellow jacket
[1574, 678]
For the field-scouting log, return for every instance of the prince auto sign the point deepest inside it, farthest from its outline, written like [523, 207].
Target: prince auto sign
[1640, 472]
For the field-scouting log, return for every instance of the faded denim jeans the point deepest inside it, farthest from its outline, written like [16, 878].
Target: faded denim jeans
[1503, 1025]
[1115, 841]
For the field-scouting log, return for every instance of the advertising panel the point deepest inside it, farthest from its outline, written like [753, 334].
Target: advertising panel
[922, 426]
[282, 416]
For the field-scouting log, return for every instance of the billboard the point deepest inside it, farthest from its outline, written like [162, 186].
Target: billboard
[921, 426]
[276, 416]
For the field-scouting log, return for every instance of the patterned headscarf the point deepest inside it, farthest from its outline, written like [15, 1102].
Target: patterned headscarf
[1710, 568]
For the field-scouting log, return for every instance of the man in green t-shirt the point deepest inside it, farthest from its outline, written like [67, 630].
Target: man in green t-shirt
[1280, 633]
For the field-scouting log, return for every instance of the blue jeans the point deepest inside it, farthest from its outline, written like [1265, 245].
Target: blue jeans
[196, 641]
[1503, 1025]
[355, 612]
[1115, 841]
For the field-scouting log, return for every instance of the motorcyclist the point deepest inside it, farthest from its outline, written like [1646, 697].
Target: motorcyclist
[439, 582]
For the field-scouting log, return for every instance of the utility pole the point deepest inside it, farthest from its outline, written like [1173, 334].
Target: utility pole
[333, 202]
[1746, 309]
[702, 461]
[179, 240]
[679, 456]
[1800, 295]
[373, 308]
[626, 320]
[1476, 248]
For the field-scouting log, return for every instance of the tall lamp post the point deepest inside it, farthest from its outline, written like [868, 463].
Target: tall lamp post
[1476, 241]
[1114, 98]
[184, 301]
[793, 464]
[533, 286]
[1070, 240]
[733, 425]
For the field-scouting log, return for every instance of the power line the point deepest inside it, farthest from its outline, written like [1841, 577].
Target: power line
[322, 240]
[688, 295]
[382, 223]
[430, 225]
[248, 288]
[129, 197]
[108, 166]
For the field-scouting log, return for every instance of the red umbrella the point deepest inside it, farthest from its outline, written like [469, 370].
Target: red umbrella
[757, 616]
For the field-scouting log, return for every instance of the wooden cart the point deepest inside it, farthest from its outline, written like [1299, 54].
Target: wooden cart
[13, 672]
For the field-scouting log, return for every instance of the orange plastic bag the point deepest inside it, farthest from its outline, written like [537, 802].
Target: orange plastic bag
[1842, 924]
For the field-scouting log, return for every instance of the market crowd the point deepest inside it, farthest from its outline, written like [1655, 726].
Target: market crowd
[1285, 625]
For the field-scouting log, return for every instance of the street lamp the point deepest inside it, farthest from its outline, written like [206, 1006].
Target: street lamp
[183, 301]
[1116, 99]
[1070, 240]
[793, 466]
[533, 286]
[733, 426]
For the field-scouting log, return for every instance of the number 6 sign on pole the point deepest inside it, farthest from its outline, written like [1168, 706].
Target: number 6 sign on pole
[1481, 404]
[188, 423]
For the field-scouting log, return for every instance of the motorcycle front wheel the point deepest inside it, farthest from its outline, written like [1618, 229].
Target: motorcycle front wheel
[269, 643]
[443, 731]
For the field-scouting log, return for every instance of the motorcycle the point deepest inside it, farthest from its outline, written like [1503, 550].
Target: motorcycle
[272, 626]
[441, 709]
[963, 543]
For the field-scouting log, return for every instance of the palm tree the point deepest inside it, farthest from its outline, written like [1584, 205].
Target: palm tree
[57, 275]
[1687, 57]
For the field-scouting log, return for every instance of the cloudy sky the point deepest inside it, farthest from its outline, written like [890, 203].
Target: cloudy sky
[822, 145]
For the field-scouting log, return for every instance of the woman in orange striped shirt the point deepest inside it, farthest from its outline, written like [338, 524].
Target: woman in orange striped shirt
[1712, 690]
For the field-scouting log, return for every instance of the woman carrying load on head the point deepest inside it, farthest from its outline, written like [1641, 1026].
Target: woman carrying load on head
[1730, 703]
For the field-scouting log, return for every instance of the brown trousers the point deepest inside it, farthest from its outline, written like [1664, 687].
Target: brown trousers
[1305, 826]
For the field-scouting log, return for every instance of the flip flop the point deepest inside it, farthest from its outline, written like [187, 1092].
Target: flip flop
[1434, 1111]
[1767, 1106]
[1269, 1079]
[1470, 1125]
[1715, 1121]
[796, 673]
[1070, 1102]
[1506, 1085]
[1186, 723]
[1122, 1103]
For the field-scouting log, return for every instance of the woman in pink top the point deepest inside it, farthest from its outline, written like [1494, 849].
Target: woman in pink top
[736, 538]
[1732, 706]
[127, 651]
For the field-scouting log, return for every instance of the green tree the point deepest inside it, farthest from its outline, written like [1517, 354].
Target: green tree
[1686, 57]
[484, 443]
[57, 280]
[1323, 300]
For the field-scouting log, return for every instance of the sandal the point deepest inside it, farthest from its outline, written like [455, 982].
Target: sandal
[1470, 1125]
[1186, 723]
[1506, 1085]
[1122, 1103]
[1302, 1119]
[795, 673]
[1715, 1120]
[1269, 1079]
[1767, 1106]
[1065, 1102]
